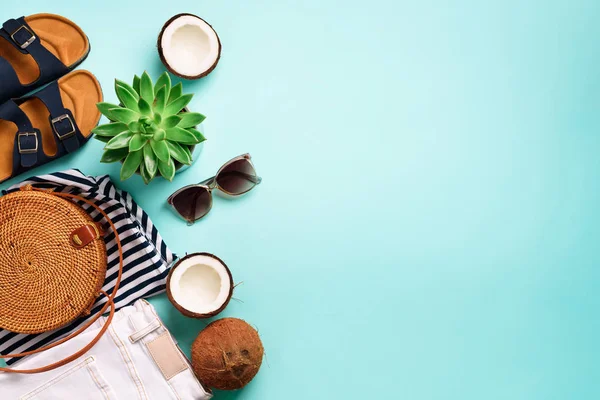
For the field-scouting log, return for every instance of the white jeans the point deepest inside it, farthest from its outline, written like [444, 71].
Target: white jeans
[136, 359]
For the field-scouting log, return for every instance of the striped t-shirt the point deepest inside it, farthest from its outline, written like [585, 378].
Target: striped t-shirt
[146, 256]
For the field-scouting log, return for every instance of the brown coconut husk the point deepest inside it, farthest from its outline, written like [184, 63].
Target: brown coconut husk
[227, 354]
[164, 60]
[187, 312]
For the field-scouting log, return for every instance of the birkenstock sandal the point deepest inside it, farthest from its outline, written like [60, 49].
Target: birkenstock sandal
[48, 124]
[36, 50]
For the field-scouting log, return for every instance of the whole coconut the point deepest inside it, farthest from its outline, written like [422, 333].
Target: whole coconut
[227, 354]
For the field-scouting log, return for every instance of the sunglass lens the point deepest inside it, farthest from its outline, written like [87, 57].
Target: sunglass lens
[237, 177]
[192, 203]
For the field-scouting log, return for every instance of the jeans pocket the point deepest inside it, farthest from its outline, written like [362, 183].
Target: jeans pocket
[81, 381]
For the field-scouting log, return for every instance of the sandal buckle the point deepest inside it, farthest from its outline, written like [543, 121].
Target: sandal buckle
[26, 135]
[56, 125]
[27, 42]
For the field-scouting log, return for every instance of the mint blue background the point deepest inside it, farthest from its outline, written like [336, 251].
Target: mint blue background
[428, 223]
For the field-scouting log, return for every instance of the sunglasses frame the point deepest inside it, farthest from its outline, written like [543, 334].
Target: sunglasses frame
[211, 184]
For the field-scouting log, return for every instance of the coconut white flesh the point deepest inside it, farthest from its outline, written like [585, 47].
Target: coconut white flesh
[200, 284]
[190, 46]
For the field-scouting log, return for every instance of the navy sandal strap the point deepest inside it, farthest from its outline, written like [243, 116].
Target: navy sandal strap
[18, 33]
[27, 139]
[10, 111]
[28, 151]
[10, 81]
[27, 147]
[61, 119]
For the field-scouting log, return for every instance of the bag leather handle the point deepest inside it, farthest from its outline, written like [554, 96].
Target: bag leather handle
[109, 303]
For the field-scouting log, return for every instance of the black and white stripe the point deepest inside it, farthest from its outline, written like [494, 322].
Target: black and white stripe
[147, 258]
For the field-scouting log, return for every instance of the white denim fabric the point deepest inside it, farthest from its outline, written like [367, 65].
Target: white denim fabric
[133, 360]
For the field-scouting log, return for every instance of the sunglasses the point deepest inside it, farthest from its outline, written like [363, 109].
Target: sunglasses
[236, 177]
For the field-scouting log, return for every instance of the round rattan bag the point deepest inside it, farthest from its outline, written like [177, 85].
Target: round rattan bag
[52, 261]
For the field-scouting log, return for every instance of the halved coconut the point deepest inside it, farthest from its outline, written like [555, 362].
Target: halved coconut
[200, 285]
[189, 47]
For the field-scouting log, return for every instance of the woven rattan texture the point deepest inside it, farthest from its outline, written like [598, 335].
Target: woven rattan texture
[45, 282]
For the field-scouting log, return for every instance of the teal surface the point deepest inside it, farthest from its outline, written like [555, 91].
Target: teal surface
[428, 224]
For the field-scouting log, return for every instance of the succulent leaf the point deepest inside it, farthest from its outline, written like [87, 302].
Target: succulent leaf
[161, 149]
[161, 100]
[112, 129]
[151, 129]
[104, 139]
[105, 108]
[171, 121]
[127, 99]
[150, 161]
[137, 142]
[144, 173]
[197, 134]
[163, 80]
[180, 153]
[176, 92]
[181, 135]
[167, 169]
[125, 86]
[131, 164]
[120, 141]
[136, 84]
[178, 104]
[157, 119]
[160, 134]
[190, 119]
[144, 107]
[146, 88]
[134, 127]
[124, 115]
[114, 155]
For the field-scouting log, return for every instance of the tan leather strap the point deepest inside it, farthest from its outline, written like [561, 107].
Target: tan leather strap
[84, 235]
[109, 303]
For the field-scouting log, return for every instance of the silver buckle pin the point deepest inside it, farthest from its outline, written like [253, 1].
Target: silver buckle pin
[28, 42]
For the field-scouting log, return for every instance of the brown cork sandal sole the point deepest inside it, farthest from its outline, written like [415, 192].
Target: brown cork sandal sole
[80, 91]
[60, 36]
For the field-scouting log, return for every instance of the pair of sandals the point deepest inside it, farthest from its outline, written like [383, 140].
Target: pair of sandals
[58, 119]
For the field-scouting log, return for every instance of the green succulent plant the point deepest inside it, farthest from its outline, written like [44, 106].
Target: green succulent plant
[150, 132]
